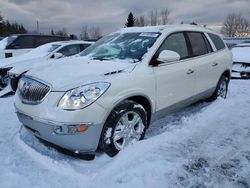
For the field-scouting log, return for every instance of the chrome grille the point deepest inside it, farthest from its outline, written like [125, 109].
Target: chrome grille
[32, 91]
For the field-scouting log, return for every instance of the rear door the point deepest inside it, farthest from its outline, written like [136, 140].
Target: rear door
[205, 64]
[175, 80]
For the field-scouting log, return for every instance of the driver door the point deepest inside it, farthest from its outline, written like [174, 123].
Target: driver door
[175, 80]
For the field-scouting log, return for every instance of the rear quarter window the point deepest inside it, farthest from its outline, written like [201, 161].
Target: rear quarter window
[219, 44]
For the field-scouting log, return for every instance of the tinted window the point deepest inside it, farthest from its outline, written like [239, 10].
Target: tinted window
[175, 42]
[42, 40]
[70, 50]
[23, 42]
[219, 44]
[198, 43]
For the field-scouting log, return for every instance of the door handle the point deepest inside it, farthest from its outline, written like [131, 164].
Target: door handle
[190, 71]
[214, 64]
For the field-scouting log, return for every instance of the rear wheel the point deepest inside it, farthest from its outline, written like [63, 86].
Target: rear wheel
[221, 89]
[125, 124]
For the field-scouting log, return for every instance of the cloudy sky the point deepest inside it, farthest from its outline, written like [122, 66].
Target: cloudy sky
[110, 15]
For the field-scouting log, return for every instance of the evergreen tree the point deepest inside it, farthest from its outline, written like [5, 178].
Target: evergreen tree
[1, 17]
[7, 28]
[130, 20]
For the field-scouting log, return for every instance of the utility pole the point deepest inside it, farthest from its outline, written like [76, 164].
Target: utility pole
[37, 27]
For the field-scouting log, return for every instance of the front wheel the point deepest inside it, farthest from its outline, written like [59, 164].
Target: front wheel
[126, 123]
[221, 89]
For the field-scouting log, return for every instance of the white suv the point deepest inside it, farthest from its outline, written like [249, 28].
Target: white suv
[109, 96]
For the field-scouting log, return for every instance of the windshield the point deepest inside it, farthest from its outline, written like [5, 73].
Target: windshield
[11, 39]
[7, 41]
[122, 46]
[53, 47]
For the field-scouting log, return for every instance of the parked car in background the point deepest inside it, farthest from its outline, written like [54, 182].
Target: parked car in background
[15, 66]
[241, 61]
[108, 97]
[232, 41]
[15, 45]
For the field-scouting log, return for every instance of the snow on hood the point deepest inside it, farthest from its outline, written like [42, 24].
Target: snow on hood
[64, 75]
[241, 54]
[23, 66]
[39, 52]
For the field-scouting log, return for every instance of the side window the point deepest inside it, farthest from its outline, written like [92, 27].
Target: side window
[198, 44]
[23, 42]
[219, 44]
[70, 50]
[175, 42]
[40, 40]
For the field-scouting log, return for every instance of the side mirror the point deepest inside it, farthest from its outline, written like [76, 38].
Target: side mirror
[167, 56]
[57, 55]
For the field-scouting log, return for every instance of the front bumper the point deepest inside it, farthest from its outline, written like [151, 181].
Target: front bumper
[82, 143]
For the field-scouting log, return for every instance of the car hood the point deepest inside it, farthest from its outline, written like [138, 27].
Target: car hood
[22, 59]
[24, 66]
[73, 72]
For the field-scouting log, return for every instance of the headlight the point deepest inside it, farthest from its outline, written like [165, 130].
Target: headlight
[83, 96]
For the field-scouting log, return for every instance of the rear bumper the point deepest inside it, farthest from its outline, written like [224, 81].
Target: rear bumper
[82, 143]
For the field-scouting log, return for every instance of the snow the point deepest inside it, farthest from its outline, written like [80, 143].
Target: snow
[204, 145]
[41, 51]
[3, 43]
[241, 53]
[94, 71]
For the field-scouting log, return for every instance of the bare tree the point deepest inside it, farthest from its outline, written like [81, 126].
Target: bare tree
[94, 33]
[153, 17]
[140, 22]
[244, 27]
[63, 32]
[84, 33]
[165, 16]
[90, 33]
[137, 22]
[235, 24]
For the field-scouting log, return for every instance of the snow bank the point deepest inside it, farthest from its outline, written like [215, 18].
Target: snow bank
[204, 145]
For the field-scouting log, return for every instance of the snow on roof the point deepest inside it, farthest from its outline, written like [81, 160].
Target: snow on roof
[166, 28]
[72, 42]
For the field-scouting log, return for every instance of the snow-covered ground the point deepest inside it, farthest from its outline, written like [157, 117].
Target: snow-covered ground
[204, 145]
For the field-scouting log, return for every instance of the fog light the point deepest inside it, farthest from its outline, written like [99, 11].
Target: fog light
[70, 129]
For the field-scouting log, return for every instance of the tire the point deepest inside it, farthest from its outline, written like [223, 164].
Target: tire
[127, 122]
[221, 89]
